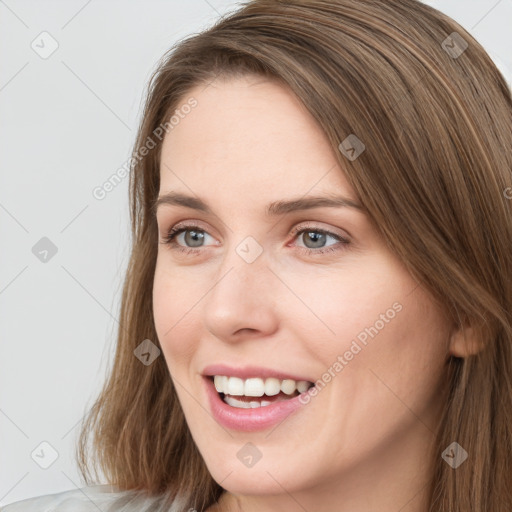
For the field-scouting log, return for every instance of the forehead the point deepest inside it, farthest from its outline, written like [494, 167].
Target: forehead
[252, 135]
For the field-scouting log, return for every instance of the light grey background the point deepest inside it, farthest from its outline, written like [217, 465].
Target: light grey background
[67, 124]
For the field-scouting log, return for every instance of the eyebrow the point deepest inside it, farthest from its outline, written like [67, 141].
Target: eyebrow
[273, 209]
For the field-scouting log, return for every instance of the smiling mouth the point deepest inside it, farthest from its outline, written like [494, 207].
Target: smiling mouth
[256, 392]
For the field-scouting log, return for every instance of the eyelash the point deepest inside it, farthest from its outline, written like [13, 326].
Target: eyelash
[175, 231]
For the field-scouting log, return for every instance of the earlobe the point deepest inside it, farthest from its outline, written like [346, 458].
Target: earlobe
[466, 341]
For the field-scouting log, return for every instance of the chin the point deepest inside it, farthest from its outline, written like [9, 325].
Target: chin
[267, 476]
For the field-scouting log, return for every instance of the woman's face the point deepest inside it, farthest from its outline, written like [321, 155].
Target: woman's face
[279, 296]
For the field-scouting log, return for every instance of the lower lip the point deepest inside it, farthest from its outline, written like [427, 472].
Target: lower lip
[249, 420]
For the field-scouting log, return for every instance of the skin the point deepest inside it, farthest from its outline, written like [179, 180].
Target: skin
[362, 443]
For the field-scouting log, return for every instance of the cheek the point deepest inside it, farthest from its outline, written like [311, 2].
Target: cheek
[416, 339]
[374, 319]
[173, 313]
[386, 358]
[402, 364]
[347, 310]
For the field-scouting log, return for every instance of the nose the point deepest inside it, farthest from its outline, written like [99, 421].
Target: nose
[242, 302]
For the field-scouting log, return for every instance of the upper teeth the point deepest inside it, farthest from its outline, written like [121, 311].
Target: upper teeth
[258, 387]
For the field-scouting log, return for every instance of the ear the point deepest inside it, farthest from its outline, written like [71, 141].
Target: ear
[466, 341]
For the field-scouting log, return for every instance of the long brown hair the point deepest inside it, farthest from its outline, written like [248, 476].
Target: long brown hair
[435, 116]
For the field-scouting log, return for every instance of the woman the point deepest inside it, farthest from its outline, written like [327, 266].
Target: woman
[317, 310]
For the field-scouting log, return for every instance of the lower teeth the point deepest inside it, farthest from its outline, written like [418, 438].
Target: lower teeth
[254, 404]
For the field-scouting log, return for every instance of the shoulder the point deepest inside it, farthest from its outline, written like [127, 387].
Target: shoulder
[95, 498]
[85, 499]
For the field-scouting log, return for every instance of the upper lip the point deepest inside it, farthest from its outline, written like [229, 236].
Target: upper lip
[247, 372]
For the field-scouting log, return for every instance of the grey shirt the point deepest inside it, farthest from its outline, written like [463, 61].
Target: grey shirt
[104, 498]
